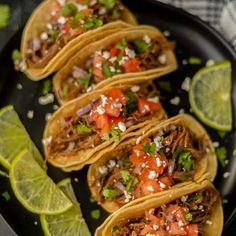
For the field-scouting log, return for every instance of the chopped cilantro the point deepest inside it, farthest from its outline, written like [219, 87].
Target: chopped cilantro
[194, 60]
[221, 154]
[121, 44]
[65, 91]
[115, 228]
[85, 81]
[115, 13]
[106, 70]
[194, 197]
[47, 86]
[95, 214]
[4, 15]
[92, 199]
[4, 174]
[188, 216]
[97, 22]
[224, 200]
[164, 85]
[125, 175]
[110, 193]
[222, 134]
[83, 129]
[73, 23]
[80, 15]
[149, 148]
[53, 34]
[16, 56]
[88, 24]
[141, 46]
[126, 162]
[185, 159]
[106, 136]
[69, 9]
[115, 134]
[132, 102]
[108, 3]
[6, 195]
[119, 56]
[133, 181]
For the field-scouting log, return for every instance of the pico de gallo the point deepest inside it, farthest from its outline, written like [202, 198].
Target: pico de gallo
[106, 117]
[185, 216]
[69, 19]
[122, 57]
[152, 165]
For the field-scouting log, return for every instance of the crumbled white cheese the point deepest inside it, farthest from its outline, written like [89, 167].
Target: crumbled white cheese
[48, 116]
[113, 59]
[102, 170]
[44, 36]
[19, 86]
[210, 62]
[175, 101]
[186, 84]
[22, 66]
[150, 188]
[122, 126]
[47, 141]
[226, 175]
[98, 53]
[122, 61]
[154, 99]
[100, 110]
[106, 54]
[112, 69]
[48, 98]
[147, 39]
[158, 161]
[162, 59]
[184, 198]
[128, 196]
[55, 107]
[102, 11]
[49, 26]
[61, 20]
[130, 53]
[135, 88]
[104, 100]
[162, 185]
[61, 2]
[180, 223]
[138, 140]
[184, 62]
[216, 144]
[181, 111]
[209, 222]
[30, 114]
[152, 174]
[155, 227]
[111, 164]
[98, 65]
[76, 180]
[158, 143]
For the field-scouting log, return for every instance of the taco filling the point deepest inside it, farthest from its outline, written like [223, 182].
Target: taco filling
[68, 20]
[106, 117]
[152, 165]
[185, 216]
[123, 57]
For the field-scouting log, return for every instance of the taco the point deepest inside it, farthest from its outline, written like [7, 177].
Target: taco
[76, 133]
[169, 155]
[192, 210]
[136, 53]
[57, 26]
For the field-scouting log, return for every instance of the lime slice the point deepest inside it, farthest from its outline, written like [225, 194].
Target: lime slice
[209, 96]
[14, 138]
[69, 223]
[34, 189]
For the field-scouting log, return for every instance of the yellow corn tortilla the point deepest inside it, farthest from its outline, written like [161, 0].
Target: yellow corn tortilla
[41, 16]
[206, 167]
[76, 162]
[155, 201]
[129, 34]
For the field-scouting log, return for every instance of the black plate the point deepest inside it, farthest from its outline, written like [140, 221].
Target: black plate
[193, 38]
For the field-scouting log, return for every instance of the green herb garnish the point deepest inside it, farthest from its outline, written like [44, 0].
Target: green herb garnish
[115, 134]
[119, 56]
[6, 195]
[110, 193]
[106, 70]
[221, 154]
[141, 46]
[4, 15]
[47, 86]
[108, 3]
[222, 134]
[132, 102]
[194, 60]
[16, 56]
[194, 197]
[83, 129]
[65, 91]
[125, 175]
[95, 214]
[164, 85]
[115, 228]
[126, 162]
[97, 22]
[73, 23]
[149, 148]
[185, 159]
[121, 44]
[92, 199]
[80, 15]
[88, 24]
[53, 34]
[85, 81]
[115, 13]
[106, 136]
[132, 182]
[69, 10]
[188, 216]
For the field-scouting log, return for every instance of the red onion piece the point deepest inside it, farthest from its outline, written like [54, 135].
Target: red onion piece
[36, 43]
[129, 123]
[137, 170]
[171, 166]
[78, 72]
[84, 110]
[120, 186]
[89, 62]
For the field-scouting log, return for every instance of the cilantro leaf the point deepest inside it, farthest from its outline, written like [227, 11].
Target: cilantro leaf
[141, 46]
[221, 154]
[132, 102]
[125, 175]
[69, 10]
[185, 159]
[106, 70]
[47, 86]
[188, 216]
[95, 214]
[83, 129]
[6, 195]
[132, 182]
[65, 91]
[16, 56]
[85, 81]
[115, 134]
[108, 3]
[110, 193]
[149, 148]
[106, 136]
[121, 44]
[4, 15]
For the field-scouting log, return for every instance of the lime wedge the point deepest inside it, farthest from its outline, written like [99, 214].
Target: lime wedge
[34, 189]
[209, 96]
[69, 223]
[14, 138]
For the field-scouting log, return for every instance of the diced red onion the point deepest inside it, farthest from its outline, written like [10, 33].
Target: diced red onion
[171, 166]
[89, 62]
[36, 43]
[59, 92]
[129, 123]
[120, 186]
[71, 146]
[84, 110]
[137, 170]
[78, 72]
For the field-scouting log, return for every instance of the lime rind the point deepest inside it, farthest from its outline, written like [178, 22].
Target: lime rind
[34, 189]
[69, 223]
[14, 138]
[216, 111]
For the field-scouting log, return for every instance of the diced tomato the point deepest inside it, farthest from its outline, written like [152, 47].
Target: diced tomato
[114, 52]
[191, 230]
[97, 61]
[54, 8]
[147, 230]
[136, 160]
[160, 233]
[102, 122]
[132, 65]
[154, 220]
[151, 163]
[180, 216]
[87, 11]
[147, 107]
[137, 190]
[77, 31]
[166, 180]
[175, 229]
[172, 209]
[144, 175]
[98, 72]
[111, 108]
[150, 186]
[115, 120]
[164, 164]
[117, 95]
[67, 27]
